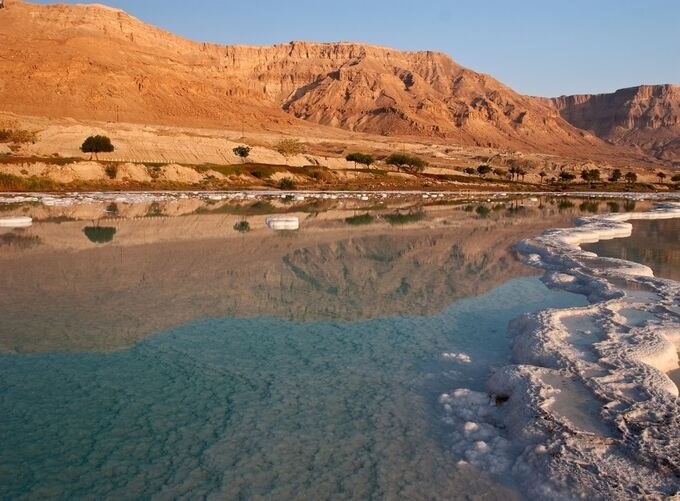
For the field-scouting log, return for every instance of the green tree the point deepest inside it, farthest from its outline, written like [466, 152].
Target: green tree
[566, 177]
[631, 177]
[542, 174]
[360, 158]
[242, 152]
[289, 148]
[483, 169]
[96, 145]
[661, 176]
[615, 176]
[590, 175]
[406, 162]
[676, 178]
[470, 170]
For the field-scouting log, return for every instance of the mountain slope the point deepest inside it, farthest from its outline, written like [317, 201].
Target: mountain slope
[94, 62]
[647, 117]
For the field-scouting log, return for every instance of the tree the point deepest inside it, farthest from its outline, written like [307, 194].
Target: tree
[566, 177]
[500, 172]
[631, 177]
[661, 176]
[96, 145]
[242, 151]
[360, 158]
[470, 170]
[289, 148]
[590, 175]
[542, 174]
[676, 178]
[407, 162]
[615, 176]
[483, 170]
[521, 172]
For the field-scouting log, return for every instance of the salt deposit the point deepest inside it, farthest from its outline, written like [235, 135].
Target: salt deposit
[589, 406]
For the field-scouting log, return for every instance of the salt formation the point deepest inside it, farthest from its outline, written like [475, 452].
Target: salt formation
[589, 407]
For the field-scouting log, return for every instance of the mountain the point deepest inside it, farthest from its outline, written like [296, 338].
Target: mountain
[97, 63]
[646, 117]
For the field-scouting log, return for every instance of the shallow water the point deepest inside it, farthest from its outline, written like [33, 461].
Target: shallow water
[654, 243]
[174, 357]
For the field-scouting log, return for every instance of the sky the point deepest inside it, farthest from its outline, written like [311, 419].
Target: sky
[537, 47]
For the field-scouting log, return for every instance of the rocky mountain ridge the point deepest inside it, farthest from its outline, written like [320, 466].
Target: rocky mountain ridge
[94, 62]
[646, 117]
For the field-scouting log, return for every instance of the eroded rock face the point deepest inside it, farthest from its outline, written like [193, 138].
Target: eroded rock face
[647, 117]
[99, 63]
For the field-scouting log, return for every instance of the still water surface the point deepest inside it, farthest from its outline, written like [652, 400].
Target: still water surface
[169, 355]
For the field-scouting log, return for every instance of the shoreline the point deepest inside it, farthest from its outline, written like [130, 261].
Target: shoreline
[590, 401]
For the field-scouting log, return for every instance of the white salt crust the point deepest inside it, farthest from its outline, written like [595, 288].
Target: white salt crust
[588, 410]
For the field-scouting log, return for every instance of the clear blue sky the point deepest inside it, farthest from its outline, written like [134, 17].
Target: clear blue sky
[538, 47]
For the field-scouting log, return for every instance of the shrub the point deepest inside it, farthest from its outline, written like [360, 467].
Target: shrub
[111, 170]
[242, 226]
[411, 217]
[482, 211]
[615, 176]
[470, 170]
[359, 220]
[287, 183]
[483, 170]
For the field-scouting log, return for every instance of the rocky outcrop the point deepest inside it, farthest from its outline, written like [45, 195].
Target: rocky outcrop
[97, 63]
[646, 117]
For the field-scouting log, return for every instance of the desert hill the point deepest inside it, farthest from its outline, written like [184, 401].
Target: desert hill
[647, 117]
[97, 63]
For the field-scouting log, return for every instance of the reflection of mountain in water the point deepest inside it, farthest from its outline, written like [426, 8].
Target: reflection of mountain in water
[376, 275]
[653, 243]
[160, 273]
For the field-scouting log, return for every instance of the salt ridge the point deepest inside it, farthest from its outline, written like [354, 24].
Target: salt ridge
[590, 408]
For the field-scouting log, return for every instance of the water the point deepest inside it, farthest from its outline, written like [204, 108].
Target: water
[654, 243]
[175, 357]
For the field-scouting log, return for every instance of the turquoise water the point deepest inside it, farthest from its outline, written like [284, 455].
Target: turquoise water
[153, 351]
[257, 408]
